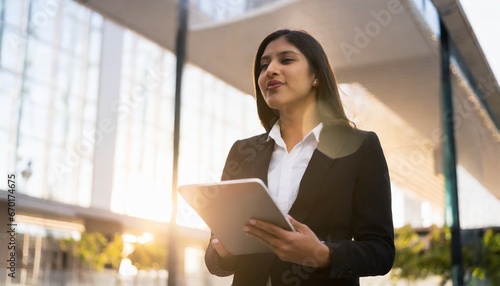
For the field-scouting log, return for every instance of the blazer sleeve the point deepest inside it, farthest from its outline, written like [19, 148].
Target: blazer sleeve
[371, 251]
[216, 264]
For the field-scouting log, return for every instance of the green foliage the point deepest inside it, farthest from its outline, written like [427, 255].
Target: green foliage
[418, 257]
[436, 258]
[94, 250]
[113, 251]
[90, 249]
[489, 265]
[149, 256]
[409, 246]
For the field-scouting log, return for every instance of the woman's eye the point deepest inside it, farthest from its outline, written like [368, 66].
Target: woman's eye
[286, 61]
[263, 66]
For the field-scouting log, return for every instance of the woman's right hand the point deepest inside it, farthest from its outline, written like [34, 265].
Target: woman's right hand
[220, 248]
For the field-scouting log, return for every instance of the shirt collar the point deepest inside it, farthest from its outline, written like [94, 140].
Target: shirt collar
[317, 131]
[275, 133]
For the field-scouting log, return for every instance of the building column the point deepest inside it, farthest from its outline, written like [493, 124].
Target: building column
[452, 215]
[107, 116]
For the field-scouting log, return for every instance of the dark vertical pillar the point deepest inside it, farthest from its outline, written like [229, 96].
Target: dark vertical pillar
[180, 51]
[449, 160]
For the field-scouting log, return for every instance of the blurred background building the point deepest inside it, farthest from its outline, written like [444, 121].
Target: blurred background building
[87, 104]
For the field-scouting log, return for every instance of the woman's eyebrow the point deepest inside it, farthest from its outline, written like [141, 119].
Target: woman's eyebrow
[267, 57]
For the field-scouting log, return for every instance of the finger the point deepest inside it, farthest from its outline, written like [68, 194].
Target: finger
[264, 241]
[260, 235]
[293, 221]
[215, 242]
[297, 225]
[257, 232]
[268, 227]
[219, 247]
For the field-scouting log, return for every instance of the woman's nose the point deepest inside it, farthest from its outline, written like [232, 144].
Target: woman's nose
[272, 69]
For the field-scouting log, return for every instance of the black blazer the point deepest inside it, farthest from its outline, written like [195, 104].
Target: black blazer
[344, 198]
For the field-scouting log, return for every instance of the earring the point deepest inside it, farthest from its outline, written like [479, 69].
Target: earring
[315, 82]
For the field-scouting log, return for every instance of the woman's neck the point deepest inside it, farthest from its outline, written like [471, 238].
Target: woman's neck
[295, 125]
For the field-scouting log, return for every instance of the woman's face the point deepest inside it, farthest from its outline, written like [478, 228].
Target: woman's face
[285, 79]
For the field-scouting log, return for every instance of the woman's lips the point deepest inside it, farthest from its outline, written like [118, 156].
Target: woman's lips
[272, 85]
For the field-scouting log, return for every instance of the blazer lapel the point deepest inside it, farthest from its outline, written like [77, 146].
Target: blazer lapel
[260, 165]
[335, 141]
[310, 185]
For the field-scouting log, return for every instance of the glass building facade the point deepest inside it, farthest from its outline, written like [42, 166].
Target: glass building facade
[49, 75]
[49, 78]
[213, 115]
[52, 68]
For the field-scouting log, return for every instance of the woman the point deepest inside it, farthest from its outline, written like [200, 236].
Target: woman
[331, 178]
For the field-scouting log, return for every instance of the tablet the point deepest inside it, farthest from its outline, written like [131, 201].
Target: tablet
[228, 205]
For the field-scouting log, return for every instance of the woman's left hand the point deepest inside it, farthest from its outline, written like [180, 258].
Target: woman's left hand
[301, 247]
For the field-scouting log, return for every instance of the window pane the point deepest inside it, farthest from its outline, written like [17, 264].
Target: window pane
[15, 11]
[85, 180]
[39, 60]
[32, 150]
[12, 46]
[90, 112]
[95, 45]
[8, 106]
[92, 83]
[8, 112]
[37, 94]
[72, 33]
[34, 121]
[4, 141]
[66, 66]
[43, 20]
[60, 128]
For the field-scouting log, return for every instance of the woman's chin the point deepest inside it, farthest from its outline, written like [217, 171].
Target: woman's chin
[275, 103]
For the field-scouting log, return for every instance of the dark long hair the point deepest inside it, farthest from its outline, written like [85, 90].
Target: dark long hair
[330, 107]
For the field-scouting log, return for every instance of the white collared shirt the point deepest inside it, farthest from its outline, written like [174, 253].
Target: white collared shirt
[286, 169]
